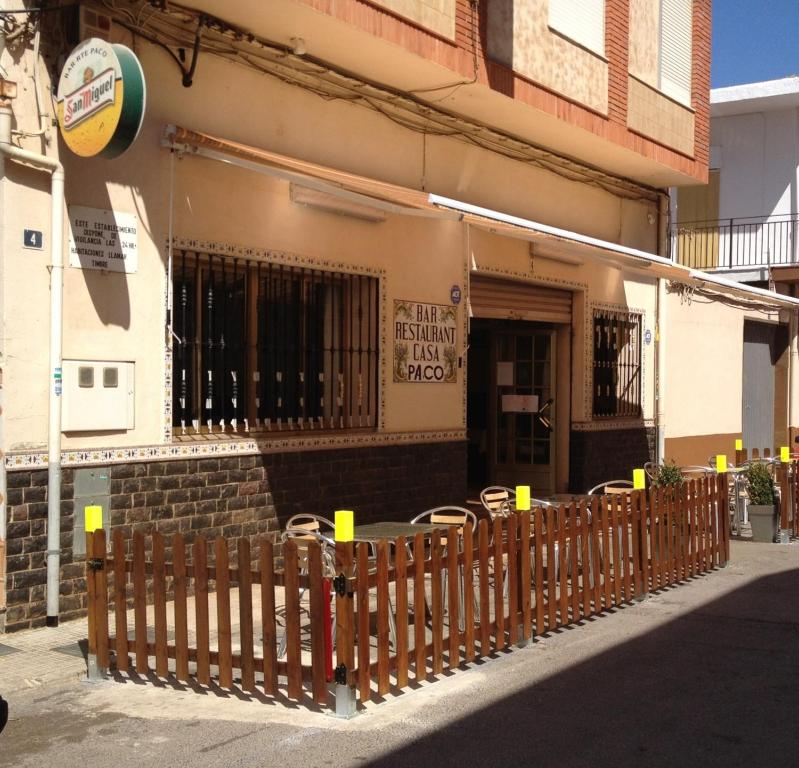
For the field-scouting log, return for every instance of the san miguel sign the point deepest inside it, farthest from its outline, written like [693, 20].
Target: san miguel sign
[425, 342]
[101, 99]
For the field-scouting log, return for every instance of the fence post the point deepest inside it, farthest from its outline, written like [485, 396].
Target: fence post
[97, 588]
[345, 629]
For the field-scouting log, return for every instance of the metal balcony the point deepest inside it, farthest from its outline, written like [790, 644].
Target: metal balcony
[753, 242]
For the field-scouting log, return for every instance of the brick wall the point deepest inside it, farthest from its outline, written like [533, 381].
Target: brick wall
[230, 496]
[611, 454]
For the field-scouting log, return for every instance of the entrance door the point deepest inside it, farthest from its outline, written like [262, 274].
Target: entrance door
[758, 385]
[522, 450]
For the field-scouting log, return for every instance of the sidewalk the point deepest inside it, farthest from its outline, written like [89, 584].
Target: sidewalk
[35, 658]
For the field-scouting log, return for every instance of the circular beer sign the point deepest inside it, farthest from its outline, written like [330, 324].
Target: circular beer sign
[101, 98]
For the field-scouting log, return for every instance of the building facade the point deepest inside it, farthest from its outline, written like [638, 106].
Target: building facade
[371, 255]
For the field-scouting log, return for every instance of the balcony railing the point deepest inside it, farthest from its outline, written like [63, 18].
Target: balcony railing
[750, 242]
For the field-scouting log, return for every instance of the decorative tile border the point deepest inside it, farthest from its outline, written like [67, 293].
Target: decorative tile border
[606, 426]
[230, 447]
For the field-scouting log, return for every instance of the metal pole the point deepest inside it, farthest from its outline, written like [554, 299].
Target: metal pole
[52, 166]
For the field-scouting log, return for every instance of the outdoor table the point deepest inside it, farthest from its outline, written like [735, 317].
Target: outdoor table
[372, 532]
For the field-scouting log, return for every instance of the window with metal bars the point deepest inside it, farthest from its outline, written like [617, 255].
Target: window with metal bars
[617, 364]
[263, 346]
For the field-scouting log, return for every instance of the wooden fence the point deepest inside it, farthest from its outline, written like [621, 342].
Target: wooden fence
[510, 580]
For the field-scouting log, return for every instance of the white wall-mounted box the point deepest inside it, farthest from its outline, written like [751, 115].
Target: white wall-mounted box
[98, 395]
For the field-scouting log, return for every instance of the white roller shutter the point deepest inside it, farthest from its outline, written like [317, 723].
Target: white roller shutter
[510, 300]
[580, 20]
[675, 49]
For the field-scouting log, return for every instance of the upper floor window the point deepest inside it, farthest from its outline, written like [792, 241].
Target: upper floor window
[582, 21]
[261, 346]
[617, 363]
[675, 49]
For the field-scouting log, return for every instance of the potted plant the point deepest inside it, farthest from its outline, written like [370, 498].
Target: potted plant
[762, 509]
[669, 476]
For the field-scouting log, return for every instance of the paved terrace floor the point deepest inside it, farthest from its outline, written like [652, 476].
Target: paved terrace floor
[704, 674]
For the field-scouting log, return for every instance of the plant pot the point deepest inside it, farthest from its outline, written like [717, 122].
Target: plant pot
[765, 523]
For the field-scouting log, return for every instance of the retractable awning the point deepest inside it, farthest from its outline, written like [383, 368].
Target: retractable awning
[358, 190]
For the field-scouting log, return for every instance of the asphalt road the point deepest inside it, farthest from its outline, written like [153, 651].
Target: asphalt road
[703, 675]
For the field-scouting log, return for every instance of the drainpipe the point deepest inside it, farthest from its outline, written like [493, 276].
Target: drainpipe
[55, 169]
[660, 332]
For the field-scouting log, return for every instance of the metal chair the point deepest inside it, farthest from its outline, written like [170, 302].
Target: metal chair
[497, 500]
[450, 516]
[612, 487]
[309, 522]
[302, 537]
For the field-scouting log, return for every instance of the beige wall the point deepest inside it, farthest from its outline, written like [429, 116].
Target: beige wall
[122, 317]
[644, 52]
[704, 359]
[519, 36]
[652, 114]
[435, 15]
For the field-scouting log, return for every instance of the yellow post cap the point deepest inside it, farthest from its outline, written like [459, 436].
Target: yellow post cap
[739, 444]
[92, 518]
[639, 479]
[785, 454]
[523, 498]
[721, 463]
[345, 525]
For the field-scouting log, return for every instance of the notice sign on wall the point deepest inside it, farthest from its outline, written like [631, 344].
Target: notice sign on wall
[101, 239]
[425, 342]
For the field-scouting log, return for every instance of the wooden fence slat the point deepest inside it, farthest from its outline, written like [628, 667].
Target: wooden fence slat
[615, 541]
[268, 616]
[643, 538]
[291, 568]
[511, 526]
[484, 565]
[654, 517]
[625, 548]
[635, 530]
[552, 601]
[453, 596]
[563, 569]
[574, 561]
[140, 604]
[692, 490]
[120, 603]
[674, 507]
[245, 615]
[224, 634]
[159, 605]
[538, 560]
[596, 557]
[585, 565]
[364, 632]
[419, 639]
[180, 607]
[714, 514]
[526, 580]
[499, 586]
[607, 534]
[101, 598]
[401, 587]
[437, 603]
[317, 597]
[467, 577]
[382, 619]
[201, 610]
[725, 507]
[702, 522]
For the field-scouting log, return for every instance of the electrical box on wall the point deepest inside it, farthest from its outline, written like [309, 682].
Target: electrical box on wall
[98, 395]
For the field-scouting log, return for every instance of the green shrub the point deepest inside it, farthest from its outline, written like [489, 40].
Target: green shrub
[759, 485]
[669, 476]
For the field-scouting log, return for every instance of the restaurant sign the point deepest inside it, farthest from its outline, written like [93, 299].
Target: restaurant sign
[101, 99]
[425, 342]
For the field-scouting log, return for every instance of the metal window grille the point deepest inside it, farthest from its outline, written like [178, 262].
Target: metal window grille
[617, 364]
[262, 346]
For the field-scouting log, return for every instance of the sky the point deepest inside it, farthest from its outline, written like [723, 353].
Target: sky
[754, 40]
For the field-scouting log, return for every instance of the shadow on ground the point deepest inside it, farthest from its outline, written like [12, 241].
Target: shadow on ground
[716, 687]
